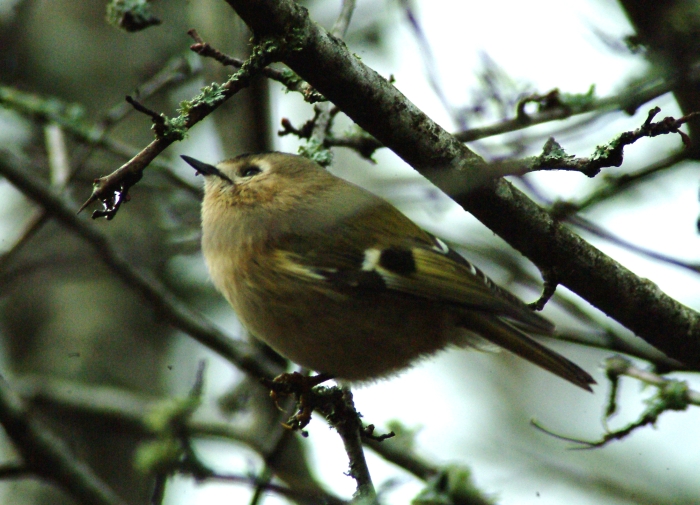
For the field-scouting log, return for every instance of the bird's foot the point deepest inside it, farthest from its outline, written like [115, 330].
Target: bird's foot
[301, 386]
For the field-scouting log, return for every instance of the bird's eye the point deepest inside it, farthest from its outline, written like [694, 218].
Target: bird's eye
[250, 171]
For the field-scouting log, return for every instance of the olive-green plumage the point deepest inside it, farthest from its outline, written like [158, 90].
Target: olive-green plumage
[338, 280]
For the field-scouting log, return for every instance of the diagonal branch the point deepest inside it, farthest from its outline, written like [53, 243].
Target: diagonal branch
[165, 304]
[379, 108]
[113, 189]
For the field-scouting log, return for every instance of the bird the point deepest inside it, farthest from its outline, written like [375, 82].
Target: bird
[338, 280]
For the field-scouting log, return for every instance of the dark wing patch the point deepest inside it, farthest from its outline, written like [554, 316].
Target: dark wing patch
[398, 260]
[424, 269]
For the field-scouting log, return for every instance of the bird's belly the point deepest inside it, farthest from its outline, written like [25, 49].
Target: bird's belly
[357, 338]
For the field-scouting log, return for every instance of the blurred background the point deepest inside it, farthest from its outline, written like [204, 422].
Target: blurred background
[92, 357]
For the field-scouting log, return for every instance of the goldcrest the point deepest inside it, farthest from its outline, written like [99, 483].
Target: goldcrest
[338, 280]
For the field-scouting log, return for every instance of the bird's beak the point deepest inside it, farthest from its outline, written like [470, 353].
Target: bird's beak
[205, 168]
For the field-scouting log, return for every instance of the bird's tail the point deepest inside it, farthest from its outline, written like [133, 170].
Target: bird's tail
[516, 341]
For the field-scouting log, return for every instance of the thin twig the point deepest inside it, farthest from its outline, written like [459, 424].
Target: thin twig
[403, 457]
[614, 185]
[154, 293]
[598, 231]
[60, 175]
[336, 404]
[323, 112]
[287, 78]
[608, 340]
[618, 365]
[341, 25]
[553, 157]
[671, 395]
[59, 165]
[429, 62]
[628, 100]
[113, 189]
[175, 71]
[347, 424]
[299, 495]
[51, 110]
[14, 471]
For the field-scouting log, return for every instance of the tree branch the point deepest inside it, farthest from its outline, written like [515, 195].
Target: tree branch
[113, 189]
[347, 423]
[154, 293]
[628, 100]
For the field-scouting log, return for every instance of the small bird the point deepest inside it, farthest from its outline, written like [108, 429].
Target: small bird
[338, 280]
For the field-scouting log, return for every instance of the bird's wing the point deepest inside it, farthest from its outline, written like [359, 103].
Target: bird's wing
[438, 273]
[363, 243]
[420, 268]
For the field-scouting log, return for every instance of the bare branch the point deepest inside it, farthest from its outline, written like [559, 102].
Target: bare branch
[614, 185]
[14, 471]
[154, 293]
[347, 424]
[628, 100]
[553, 156]
[285, 77]
[340, 27]
[590, 227]
[113, 189]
